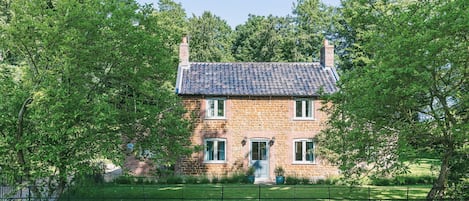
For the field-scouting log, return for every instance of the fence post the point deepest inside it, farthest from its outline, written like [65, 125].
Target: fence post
[369, 193]
[182, 193]
[294, 189]
[143, 192]
[222, 191]
[29, 193]
[329, 191]
[407, 193]
[259, 192]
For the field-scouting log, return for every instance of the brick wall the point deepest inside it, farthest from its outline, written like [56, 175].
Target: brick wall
[255, 118]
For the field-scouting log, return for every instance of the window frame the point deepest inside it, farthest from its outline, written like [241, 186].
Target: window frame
[215, 108]
[304, 151]
[303, 109]
[215, 153]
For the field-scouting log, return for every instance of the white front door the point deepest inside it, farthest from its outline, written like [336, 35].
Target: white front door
[259, 158]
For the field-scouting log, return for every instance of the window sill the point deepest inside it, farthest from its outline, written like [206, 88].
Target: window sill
[214, 162]
[303, 163]
[303, 119]
[215, 118]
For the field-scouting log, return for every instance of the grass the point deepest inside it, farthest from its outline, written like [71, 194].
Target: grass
[424, 166]
[114, 192]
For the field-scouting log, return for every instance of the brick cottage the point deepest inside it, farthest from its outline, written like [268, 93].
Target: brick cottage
[262, 114]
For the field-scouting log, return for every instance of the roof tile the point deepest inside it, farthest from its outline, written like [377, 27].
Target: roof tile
[256, 79]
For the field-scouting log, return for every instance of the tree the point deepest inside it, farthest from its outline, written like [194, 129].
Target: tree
[171, 24]
[91, 76]
[210, 38]
[314, 22]
[264, 39]
[410, 95]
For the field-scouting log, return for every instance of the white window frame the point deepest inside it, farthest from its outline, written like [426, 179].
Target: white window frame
[303, 152]
[215, 153]
[215, 108]
[303, 109]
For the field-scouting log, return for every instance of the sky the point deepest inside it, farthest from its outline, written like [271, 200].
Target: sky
[236, 12]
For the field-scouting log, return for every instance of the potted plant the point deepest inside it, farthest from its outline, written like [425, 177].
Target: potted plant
[250, 174]
[279, 175]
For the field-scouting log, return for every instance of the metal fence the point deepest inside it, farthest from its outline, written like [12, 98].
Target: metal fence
[222, 192]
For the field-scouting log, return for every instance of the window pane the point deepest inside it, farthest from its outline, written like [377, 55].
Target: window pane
[298, 109]
[309, 151]
[263, 151]
[221, 150]
[209, 151]
[255, 151]
[210, 108]
[298, 151]
[221, 108]
[309, 108]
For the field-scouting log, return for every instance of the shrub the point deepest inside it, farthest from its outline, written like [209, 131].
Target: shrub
[304, 180]
[289, 180]
[215, 180]
[123, 180]
[402, 180]
[191, 180]
[204, 180]
[174, 179]
[331, 181]
[139, 180]
[223, 180]
[380, 181]
[149, 181]
[321, 181]
[237, 178]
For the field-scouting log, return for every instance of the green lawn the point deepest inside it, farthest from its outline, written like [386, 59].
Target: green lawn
[425, 166]
[242, 192]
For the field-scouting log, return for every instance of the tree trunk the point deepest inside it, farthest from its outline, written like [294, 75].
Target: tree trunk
[20, 153]
[439, 187]
[19, 135]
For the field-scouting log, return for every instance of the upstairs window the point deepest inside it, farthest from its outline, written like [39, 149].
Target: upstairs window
[215, 150]
[304, 108]
[215, 108]
[303, 151]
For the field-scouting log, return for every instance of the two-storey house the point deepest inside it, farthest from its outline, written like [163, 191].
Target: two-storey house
[256, 114]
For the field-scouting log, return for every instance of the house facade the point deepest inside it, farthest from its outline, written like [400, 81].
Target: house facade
[264, 115]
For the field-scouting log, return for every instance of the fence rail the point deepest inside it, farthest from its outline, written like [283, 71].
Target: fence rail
[223, 192]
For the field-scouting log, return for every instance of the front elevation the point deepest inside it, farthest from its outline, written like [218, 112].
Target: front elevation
[263, 115]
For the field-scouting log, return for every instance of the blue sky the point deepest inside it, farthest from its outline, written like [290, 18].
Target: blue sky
[236, 12]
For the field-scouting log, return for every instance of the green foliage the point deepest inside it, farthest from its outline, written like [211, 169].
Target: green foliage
[175, 179]
[123, 179]
[87, 77]
[403, 180]
[250, 171]
[204, 180]
[224, 179]
[314, 22]
[279, 171]
[215, 180]
[264, 39]
[292, 180]
[210, 38]
[191, 180]
[406, 90]
[170, 20]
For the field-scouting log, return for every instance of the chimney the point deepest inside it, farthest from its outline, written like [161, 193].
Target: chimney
[327, 54]
[184, 53]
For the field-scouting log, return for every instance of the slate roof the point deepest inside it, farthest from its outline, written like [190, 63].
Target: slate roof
[255, 79]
